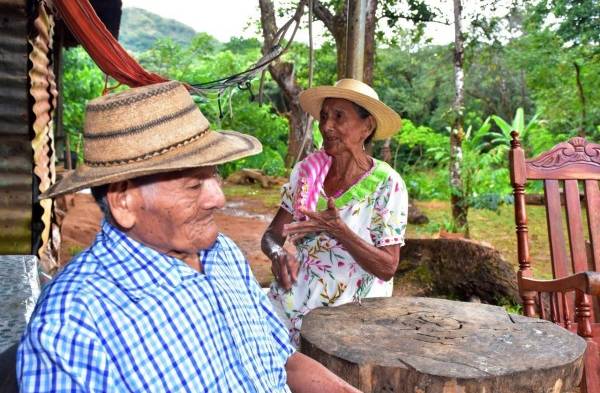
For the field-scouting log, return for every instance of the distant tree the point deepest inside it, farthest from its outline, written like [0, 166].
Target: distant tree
[334, 15]
[417, 83]
[82, 81]
[140, 29]
[577, 24]
[577, 21]
[284, 73]
[458, 199]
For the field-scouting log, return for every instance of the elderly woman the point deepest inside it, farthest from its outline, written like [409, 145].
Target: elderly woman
[345, 211]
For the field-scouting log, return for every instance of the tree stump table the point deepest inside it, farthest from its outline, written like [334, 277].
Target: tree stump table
[426, 345]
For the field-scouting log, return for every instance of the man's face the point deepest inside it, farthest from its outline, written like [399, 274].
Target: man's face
[175, 212]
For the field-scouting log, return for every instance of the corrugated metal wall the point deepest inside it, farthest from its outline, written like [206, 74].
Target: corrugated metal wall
[15, 140]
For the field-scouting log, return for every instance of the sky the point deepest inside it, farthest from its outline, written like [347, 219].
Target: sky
[224, 19]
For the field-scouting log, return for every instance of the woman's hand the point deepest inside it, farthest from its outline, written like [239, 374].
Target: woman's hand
[379, 261]
[326, 221]
[284, 267]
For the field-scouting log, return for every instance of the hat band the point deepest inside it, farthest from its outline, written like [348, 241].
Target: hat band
[146, 156]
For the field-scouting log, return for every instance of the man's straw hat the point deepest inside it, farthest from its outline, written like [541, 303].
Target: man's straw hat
[388, 121]
[147, 130]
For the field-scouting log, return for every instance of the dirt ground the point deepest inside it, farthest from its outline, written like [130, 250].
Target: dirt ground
[243, 220]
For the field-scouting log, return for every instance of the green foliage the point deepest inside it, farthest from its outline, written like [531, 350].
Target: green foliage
[425, 185]
[485, 174]
[574, 20]
[426, 148]
[550, 61]
[510, 306]
[544, 82]
[263, 123]
[206, 60]
[82, 81]
[140, 30]
[417, 84]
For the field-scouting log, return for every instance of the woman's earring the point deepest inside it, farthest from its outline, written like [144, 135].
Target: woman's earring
[364, 147]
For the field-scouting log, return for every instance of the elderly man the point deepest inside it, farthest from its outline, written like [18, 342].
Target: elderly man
[161, 301]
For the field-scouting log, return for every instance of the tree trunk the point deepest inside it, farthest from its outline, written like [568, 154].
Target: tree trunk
[459, 268]
[336, 24]
[355, 60]
[581, 98]
[299, 137]
[458, 199]
[371, 22]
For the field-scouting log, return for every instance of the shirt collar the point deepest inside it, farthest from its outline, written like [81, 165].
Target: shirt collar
[137, 268]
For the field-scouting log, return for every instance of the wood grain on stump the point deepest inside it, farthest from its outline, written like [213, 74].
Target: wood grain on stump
[426, 345]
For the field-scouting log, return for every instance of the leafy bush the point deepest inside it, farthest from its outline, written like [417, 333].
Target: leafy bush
[82, 81]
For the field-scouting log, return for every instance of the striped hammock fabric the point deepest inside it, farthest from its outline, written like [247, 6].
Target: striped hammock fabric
[111, 57]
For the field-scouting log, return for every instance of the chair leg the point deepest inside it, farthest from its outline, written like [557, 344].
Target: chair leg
[590, 382]
[528, 299]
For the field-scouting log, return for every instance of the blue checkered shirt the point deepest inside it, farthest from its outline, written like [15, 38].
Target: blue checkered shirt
[122, 317]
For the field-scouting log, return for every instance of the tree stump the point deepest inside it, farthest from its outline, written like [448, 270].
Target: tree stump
[426, 345]
[416, 216]
[461, 268]
[246, 176]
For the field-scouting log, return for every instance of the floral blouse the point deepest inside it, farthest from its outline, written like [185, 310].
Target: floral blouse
[376, 208]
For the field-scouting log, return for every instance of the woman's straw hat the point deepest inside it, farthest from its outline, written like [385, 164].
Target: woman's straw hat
[147, 130]
[388, 121]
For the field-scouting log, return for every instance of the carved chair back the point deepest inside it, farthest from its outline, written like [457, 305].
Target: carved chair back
[570, 173]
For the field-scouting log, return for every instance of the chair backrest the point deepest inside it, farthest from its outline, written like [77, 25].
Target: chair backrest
[565, 169]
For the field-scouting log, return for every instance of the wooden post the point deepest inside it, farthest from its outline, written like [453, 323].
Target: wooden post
[518, 178]
[356, 40]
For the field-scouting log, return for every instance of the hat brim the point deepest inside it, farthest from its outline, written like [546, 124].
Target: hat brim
[214, 148]
[388, 121]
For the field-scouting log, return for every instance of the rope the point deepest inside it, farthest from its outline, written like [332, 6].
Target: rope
[242, 80]
[85, 25]
[243, 77]
[309, 119]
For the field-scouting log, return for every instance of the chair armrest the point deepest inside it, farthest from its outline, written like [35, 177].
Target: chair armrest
[586, 282]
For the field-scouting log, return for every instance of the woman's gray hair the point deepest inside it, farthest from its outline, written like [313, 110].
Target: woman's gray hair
[363, 114]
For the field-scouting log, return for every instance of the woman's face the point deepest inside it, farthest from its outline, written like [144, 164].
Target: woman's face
[342, 127]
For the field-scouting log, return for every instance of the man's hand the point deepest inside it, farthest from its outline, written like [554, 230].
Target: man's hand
[305, 375]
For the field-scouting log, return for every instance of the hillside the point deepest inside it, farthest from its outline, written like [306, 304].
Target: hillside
[140, 28]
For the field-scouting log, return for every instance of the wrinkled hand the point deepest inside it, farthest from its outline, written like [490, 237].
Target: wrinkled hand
[284, 267]
[326, 221]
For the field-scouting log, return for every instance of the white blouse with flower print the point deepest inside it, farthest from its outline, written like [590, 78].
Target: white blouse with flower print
[376, 208]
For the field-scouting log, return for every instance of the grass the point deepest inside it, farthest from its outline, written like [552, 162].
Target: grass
[270, 197]
[496, 228]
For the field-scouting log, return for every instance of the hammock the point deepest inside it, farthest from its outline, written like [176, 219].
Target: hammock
[109, 55]
[85, 25]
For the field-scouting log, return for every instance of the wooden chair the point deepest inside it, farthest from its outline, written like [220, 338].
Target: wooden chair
[570, 299]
